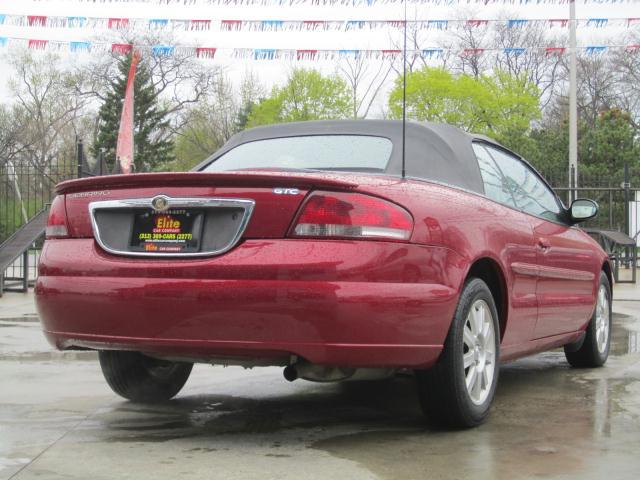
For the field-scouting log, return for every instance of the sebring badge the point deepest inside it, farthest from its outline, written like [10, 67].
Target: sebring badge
[160, 203]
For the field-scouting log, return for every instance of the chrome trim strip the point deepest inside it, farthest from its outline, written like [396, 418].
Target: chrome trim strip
[205, 202]
[565, 274]
[527, 269]
[543, 271]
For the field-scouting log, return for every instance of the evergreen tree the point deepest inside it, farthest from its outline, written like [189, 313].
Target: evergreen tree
[151, 148]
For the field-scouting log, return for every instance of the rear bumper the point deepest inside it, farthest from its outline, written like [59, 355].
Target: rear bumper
[347, 303]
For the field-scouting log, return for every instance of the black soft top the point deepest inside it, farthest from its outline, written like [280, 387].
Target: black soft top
[434, 151]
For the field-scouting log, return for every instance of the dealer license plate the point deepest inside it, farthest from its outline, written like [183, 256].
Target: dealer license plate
[173, 231]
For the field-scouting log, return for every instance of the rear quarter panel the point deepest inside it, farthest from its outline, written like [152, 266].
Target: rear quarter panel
[475, 227]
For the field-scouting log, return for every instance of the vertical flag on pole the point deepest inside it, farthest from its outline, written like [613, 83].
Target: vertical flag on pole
[124, 147]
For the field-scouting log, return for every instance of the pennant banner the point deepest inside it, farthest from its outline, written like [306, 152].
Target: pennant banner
[268, 54]
[94, 23]
[351, 2]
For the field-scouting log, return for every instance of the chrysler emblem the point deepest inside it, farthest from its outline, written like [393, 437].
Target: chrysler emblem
[160, 203]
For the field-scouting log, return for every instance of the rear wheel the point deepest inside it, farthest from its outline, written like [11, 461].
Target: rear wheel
[594, 350]
[458, 391]
[140, 378]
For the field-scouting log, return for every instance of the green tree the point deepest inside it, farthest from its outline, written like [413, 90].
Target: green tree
[502, 106]
[152, 146]
[603, 150]
[307, 95]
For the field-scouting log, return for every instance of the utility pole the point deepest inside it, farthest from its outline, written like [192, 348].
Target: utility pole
[573, 104]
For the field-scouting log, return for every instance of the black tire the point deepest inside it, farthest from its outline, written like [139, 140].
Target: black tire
[590, 354]
[444, 396]
[143, 379]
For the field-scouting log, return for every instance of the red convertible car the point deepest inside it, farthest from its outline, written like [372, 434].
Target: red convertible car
[303, 245]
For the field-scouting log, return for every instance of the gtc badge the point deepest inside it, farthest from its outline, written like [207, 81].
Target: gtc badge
[286, 191]
[160, 203]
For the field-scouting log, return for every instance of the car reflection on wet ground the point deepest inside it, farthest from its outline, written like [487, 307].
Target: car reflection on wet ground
[58, 419]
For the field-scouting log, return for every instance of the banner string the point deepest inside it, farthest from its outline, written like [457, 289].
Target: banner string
[114, 23]
[369, 3]
[208, 52]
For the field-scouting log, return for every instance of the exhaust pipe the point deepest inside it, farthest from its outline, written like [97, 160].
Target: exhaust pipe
[316, 373]
[290, 373]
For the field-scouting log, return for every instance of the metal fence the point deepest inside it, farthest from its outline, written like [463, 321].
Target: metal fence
[617, 195]
[26, 188]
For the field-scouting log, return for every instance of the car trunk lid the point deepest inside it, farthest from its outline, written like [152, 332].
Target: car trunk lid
[194, 213]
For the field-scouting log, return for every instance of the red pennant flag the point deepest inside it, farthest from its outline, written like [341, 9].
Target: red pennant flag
[477, 23]
[118, 23]
[306, 54]
[38, 44]
[200, 24]
[205, 52]
[554, 51]
[559, 22]
[472, 52]
[391, 53]
[124, 147]
[36, 20]
[230, 24]
[633, 48]
[121, 48]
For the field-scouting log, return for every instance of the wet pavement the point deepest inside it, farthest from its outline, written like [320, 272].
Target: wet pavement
[58, 419]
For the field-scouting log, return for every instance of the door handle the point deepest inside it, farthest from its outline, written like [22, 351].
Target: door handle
[543, 244]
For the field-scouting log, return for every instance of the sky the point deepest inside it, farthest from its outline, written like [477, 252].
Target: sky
[271, 72]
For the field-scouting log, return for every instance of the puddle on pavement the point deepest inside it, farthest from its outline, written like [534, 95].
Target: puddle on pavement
[547, 419]
[625, 336]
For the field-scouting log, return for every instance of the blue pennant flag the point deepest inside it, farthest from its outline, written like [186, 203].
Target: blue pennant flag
[162, 50]
[79, 46]
[76, 21]
[349, 53]
[264, 54]
[595, 49]
[432, 52]
[3, 41]
[514, 51]
[272, 24]
[516, 23]
[438, 24]
[158, 22]
[2, 17]
[355, 24]
[597, 22]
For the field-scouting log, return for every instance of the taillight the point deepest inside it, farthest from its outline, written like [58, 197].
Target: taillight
[57, 222]
[352, 215]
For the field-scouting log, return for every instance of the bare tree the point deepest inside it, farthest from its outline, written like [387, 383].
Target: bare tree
[206, 126]
[179, 78]
[627, 67]
[365, 80]
[545, 71]
[46, 107]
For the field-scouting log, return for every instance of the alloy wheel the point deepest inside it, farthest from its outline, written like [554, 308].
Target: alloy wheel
[479, 352]
[602, 320]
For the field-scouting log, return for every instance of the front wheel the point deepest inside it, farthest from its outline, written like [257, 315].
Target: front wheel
[458, 391]
[594, 350]
[143, 379]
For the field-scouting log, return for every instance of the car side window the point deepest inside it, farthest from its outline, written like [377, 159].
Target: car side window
[529, 191]
[494, 185]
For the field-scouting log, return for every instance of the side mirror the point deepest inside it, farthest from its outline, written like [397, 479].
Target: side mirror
[583, 209]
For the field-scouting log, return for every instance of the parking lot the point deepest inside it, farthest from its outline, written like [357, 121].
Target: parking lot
[58, 419]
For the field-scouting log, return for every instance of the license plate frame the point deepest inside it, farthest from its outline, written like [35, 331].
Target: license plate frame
[172, 232]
